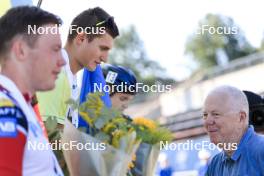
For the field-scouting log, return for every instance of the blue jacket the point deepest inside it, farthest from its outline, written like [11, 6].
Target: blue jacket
[89, 79]
[247, 160]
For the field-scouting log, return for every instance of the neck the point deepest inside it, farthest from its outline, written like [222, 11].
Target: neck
[229, 152]
[236, 141]
[22, 82]
[74, 65]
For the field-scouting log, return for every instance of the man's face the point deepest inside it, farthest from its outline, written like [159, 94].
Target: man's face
[94, 52]
[45, 61]
[221, 121]
[120, 101]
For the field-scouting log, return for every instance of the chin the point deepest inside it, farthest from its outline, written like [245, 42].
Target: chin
[214, 141]
[91, 67]
[48, 87]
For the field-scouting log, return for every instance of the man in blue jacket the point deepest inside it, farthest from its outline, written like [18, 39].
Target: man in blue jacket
[226, 120]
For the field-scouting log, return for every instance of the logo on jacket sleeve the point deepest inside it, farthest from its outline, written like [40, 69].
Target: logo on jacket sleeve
[8, 127]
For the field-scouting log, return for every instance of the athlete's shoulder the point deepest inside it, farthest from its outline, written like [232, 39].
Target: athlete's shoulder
[12, 118]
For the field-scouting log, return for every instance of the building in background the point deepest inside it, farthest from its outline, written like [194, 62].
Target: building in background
[180, 109]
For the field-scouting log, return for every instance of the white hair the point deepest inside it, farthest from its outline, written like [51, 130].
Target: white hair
[235, 96]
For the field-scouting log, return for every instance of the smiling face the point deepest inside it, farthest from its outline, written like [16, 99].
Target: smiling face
[92, 53]
[223, 121]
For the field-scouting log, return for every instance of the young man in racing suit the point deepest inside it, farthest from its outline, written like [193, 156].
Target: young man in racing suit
[30, 62]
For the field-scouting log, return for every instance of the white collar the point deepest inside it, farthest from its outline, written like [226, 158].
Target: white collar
[17, 95]
[8, 84]
[71, 77]
[65, 56]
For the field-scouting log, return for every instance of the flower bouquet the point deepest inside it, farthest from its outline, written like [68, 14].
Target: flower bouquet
[147, 154]
[54, 136]
[108, 148]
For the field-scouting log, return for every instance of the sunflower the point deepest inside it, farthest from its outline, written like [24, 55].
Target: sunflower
[147, 123]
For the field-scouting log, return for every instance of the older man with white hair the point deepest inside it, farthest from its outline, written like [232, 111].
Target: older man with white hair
[225, 116]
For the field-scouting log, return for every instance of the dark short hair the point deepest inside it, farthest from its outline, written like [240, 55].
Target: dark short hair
[92, 17]
[16, 21]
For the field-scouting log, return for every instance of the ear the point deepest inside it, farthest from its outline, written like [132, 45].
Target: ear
[242, 116]
[80, 38]
[20, 49]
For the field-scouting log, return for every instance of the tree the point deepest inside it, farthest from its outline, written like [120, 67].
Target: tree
[218, 39]
[262, 45]
[129, 51]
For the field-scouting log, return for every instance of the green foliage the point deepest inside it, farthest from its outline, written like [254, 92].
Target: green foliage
[54, 136]
[106, 124]
[129, 52]
[204, 47]
[154, 137]
[150, 132]
[262, 45]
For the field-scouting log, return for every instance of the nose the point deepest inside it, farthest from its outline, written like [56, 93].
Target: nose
[104, 57]
[209, 120]
[61, 62]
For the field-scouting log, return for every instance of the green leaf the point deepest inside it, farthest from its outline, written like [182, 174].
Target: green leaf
[73, 103]
[91, 113]
[103, 136]
[100, 123]
[82, 129]
[51, 124]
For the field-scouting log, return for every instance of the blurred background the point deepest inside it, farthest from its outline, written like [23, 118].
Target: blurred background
[161, 41]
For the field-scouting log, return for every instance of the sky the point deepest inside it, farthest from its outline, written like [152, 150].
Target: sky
[165, 25]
